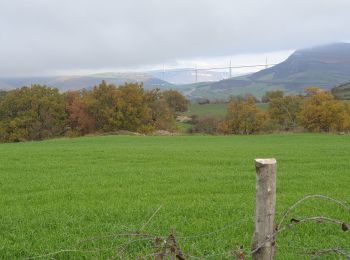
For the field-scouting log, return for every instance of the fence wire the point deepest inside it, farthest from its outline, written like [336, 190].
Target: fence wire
[167, 246]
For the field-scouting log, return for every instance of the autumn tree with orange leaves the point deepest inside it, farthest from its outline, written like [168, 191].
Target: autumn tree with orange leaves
[320, 112]
[243, 117]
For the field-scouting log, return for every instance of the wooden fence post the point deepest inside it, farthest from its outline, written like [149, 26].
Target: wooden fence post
[263, 246]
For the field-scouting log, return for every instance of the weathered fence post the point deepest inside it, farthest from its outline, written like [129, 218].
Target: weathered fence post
[263, 246]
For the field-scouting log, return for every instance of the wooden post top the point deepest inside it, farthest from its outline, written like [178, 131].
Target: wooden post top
[261, 162]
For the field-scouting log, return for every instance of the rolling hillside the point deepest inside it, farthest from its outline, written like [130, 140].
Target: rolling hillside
[79, 82]
[342, 91]
[188, 75]
[324, 66]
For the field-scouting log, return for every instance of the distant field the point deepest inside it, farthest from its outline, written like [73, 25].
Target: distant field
[342, 91]
[56, 194]
[214, 109]
[207, 110]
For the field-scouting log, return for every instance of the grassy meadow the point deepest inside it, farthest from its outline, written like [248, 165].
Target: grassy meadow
[77, 194]
[216, 110]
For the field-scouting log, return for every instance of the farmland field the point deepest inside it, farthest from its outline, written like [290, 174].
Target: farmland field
[217, 110]
[76, 194]
[207, 110]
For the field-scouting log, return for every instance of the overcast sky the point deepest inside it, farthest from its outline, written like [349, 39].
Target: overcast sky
[41, 37]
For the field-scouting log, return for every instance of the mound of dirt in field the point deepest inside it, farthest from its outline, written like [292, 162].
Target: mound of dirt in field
[163, 132]
[183, 119]
[121, 132]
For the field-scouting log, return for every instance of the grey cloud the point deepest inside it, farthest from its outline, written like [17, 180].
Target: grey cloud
[41, 36]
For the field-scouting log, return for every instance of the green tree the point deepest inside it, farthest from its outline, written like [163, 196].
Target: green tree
[119, 108]
[176, 101]
[133, 108]
[243, 117]
[2, 94]
[284, 111]
[102, 105]
[162, 117]
[270, 95]
[207, 125]
[32, 113]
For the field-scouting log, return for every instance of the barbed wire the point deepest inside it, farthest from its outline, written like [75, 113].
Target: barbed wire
[318, 196]
[321, 252]
[224, 228]
[62, 251]
[167, 245]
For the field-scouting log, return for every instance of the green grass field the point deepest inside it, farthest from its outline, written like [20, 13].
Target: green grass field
[217, 110]
[59, 194]
[207, 110]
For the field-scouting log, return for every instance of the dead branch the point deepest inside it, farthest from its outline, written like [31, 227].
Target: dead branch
[239, 253]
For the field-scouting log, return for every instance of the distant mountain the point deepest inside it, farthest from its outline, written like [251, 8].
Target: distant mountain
[188, 75]
[79, 82]
[342, 91]
[4, 85]
[323, 66]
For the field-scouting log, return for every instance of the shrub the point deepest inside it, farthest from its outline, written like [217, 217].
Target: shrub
[207, 125]
[244, 117]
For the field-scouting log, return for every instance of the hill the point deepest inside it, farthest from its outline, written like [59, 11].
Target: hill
[342, 91]
[188, 76]
[323, 66]
[79, 82]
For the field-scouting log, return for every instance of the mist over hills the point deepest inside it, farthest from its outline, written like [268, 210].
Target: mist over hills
[342, 91]
[322, 66]
[150, 79]
[184, 76]
[64, 83]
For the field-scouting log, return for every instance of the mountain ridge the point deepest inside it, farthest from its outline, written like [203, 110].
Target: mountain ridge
[64, 83]
[323, 66]
[342, 91]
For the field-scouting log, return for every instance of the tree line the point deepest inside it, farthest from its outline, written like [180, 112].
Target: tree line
[315, 111]
[40, 112]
